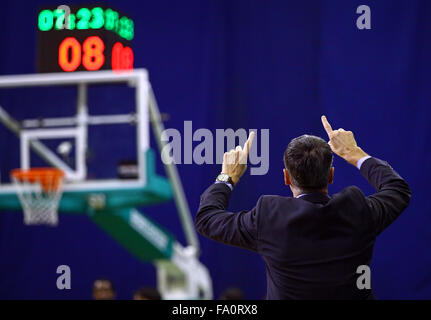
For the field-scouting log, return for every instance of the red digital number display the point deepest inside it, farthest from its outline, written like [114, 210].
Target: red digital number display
[69, 54]
[91, 54]
[92, 57]
[122, 57]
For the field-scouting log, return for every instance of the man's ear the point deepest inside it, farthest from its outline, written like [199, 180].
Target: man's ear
[331, 175]
[286, 177]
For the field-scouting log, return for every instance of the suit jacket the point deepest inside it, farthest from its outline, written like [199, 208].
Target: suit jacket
[312, 245]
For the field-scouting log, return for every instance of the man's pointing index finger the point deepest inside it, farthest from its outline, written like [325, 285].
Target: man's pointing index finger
[326, 125]
[248, 143]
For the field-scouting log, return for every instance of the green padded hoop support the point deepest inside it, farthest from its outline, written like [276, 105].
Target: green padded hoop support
[142, 237]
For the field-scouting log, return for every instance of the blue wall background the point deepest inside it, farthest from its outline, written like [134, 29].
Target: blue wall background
[242, 64]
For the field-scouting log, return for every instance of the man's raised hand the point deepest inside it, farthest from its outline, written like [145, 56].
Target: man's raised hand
[343, 143]
[235, 161]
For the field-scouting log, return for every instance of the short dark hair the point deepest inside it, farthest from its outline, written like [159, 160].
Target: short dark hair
[308, 159]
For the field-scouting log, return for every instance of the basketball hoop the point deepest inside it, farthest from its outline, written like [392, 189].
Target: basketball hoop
[39, 191]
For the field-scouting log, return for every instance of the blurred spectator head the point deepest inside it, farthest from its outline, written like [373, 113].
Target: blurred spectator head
[147, 294]
[103, 289]
[232, 293]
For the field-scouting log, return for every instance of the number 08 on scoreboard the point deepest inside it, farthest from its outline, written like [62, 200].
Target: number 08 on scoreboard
[72, 38]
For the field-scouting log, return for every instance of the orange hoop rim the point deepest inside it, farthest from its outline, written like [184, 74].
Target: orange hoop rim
[37, 173]
[50, 179]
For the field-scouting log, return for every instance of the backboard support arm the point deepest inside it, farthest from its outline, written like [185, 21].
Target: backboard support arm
[172, 172]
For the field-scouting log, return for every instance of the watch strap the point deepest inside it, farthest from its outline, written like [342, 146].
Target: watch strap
[229, 180]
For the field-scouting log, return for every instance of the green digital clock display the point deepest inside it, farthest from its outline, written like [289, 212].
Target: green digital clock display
[86, 19]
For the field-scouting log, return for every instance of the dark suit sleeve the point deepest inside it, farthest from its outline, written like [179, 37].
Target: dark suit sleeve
[215, 222]
[392, 196]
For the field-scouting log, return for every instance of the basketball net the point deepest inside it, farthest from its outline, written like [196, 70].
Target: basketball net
[39, 191]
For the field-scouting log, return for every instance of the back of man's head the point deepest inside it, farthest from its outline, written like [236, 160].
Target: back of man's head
[308, 160]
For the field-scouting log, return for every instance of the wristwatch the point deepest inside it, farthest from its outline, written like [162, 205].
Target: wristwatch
[223, 177]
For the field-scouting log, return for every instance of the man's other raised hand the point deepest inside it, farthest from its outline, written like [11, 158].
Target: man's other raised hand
[343, 143]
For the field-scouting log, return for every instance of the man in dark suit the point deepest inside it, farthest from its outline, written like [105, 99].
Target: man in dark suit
[312, 243]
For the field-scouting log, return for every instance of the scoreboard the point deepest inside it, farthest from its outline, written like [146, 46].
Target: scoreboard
[78, 38]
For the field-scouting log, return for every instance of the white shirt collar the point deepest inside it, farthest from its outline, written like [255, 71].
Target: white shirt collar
[301, 195]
